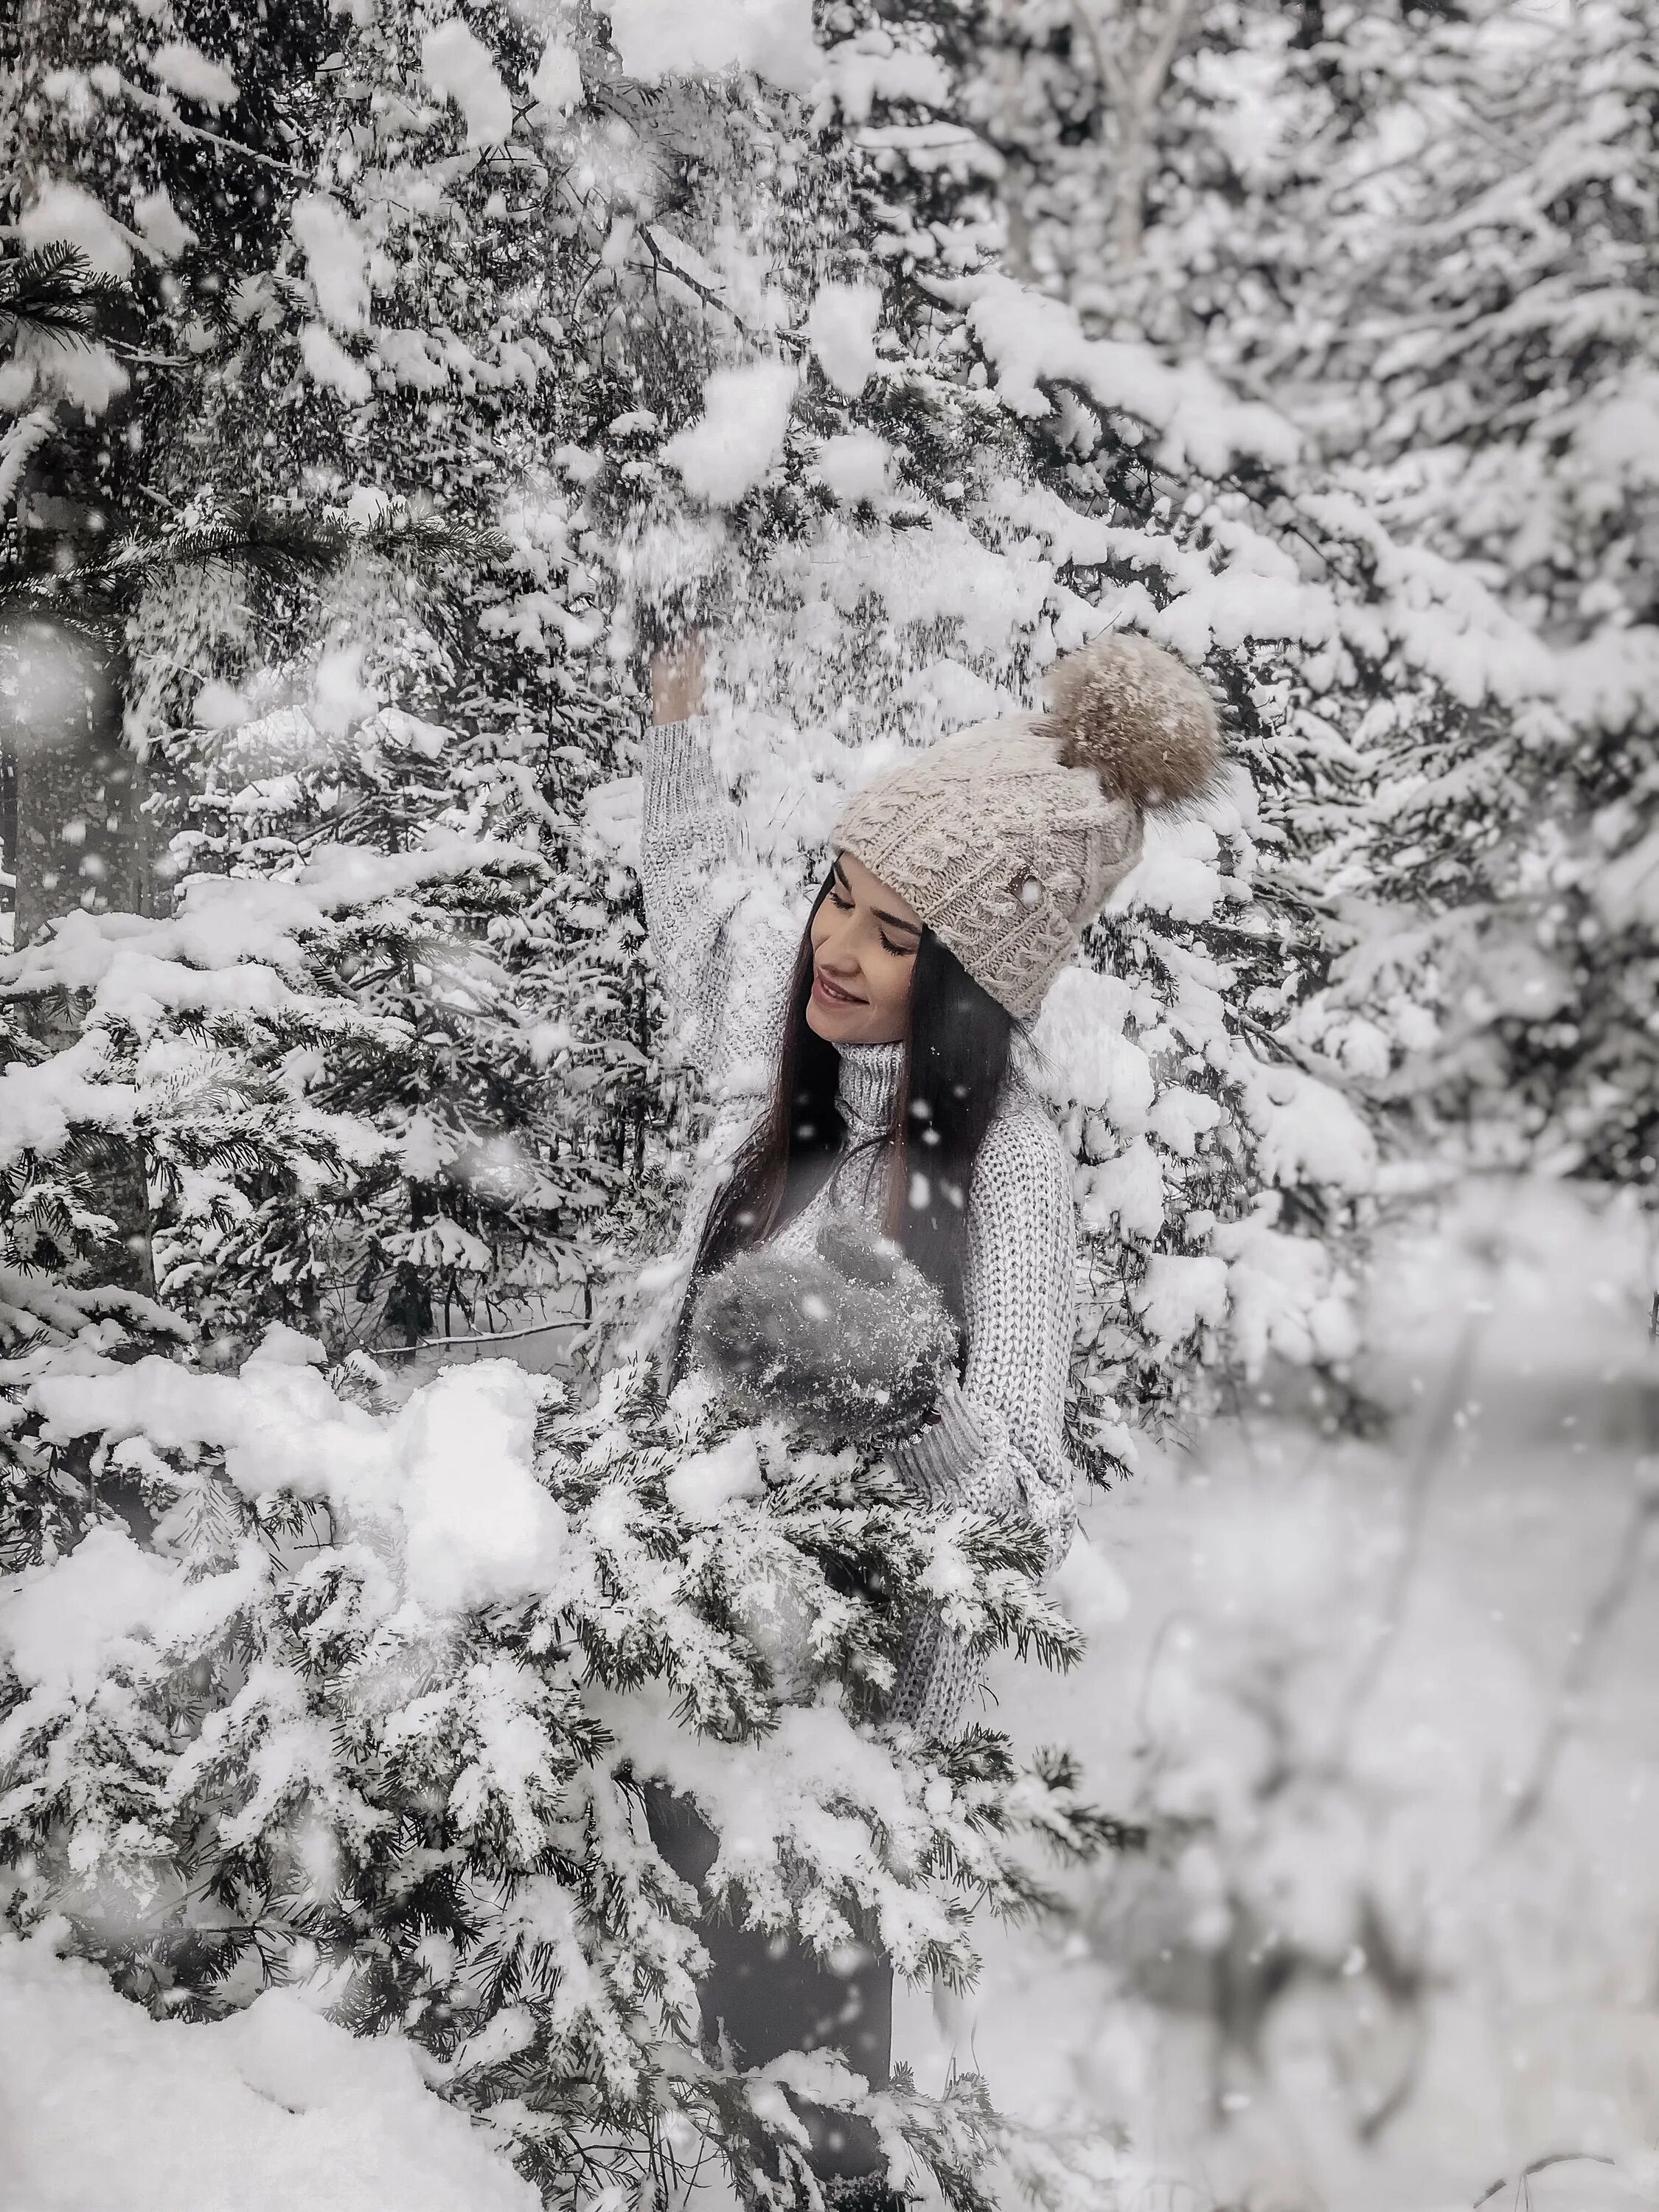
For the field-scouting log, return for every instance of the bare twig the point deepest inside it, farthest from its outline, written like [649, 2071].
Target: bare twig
[164, 111]
[1611, 1600]
[490, 1336]
[1430, 1457]
[1542, 2166]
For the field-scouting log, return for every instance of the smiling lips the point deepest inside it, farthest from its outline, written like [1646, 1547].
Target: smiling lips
[832, 992]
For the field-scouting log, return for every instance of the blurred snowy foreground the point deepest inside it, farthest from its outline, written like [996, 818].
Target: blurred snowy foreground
[1388, 1708]
[1396, 1700]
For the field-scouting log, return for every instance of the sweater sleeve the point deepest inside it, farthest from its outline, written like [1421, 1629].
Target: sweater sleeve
[720, 933]
[996, 1440]
[691, 850]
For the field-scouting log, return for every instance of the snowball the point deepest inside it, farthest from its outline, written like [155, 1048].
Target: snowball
[557, 82]
[481, 1528]
[700, 1487]
[332, 366]
[272, 2108]
[161, 223]
[841, 327]
[855, 465]
[740, 433]
[336, 258]
[458, 66]
[186, 69]
[63, 214]
[658, 39]
[1089, 1589]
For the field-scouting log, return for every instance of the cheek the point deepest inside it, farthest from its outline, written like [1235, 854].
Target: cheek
[895, 982]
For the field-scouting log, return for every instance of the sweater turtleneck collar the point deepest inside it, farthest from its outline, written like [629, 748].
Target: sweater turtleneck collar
[868, 1086]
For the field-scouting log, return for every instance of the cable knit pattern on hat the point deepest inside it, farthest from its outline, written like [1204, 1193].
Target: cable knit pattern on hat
[1012, 904]
[995, 1440]
[1008, 838]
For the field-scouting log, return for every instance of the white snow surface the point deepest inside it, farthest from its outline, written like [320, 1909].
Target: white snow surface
[450, 1477]
[702, 1485]
[337, 257]
[659, 39]
[163, 226]
[184, 69]
[557, 80]
[480, 1526]
[101, 2107]
[67, 214]
[842, 326]
[856, 465]
[1028, 336]
[458, 66]
[725, 452]
[332, 366]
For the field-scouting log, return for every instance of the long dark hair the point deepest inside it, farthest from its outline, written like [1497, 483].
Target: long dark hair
[957, 1044]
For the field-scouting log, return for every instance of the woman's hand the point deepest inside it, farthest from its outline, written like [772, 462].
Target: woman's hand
[676, 679]
[850, 1341]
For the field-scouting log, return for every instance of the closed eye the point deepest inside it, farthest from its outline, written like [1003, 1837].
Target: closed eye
[900, 951]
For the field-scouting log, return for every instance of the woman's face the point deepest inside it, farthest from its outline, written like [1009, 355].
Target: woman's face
[864, 952]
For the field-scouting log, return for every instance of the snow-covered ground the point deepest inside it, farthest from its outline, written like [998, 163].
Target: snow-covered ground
[1402, 1691]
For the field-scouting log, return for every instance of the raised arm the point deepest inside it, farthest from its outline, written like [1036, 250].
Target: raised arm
[690, 849]
[996, 1441]
[719, 931]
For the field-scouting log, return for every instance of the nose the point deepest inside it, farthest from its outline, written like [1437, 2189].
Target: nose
[838, 952]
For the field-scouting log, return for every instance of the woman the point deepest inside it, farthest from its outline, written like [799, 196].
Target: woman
[879, 1072]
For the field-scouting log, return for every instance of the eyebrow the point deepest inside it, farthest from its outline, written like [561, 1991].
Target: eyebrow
[896, 920]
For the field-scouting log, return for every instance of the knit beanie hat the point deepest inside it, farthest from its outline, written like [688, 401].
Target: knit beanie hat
[1008, 837]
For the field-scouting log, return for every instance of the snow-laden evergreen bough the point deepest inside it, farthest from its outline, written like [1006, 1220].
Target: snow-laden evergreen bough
[565, 296]
[371, 1711]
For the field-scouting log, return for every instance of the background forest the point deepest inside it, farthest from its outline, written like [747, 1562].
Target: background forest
[378, 380]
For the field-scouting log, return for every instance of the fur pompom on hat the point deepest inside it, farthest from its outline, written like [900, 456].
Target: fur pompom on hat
[1007, 838]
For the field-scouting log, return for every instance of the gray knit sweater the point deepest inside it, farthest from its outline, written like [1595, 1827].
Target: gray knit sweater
[724, 943]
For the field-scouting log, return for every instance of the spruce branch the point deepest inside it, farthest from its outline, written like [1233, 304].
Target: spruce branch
[53, 294]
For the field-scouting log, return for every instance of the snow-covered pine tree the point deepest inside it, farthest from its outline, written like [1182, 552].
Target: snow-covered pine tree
[251, 1050]
[909, 483]
[377, 639]
[371, 1715]
[1430, 243]
[1497, 340]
